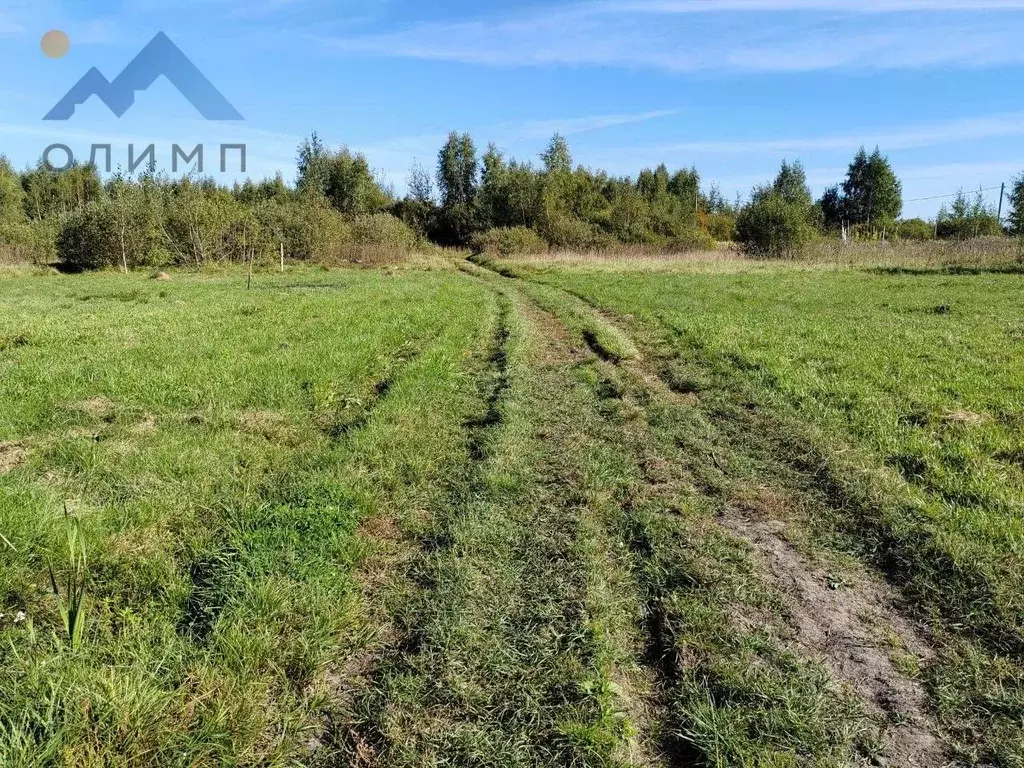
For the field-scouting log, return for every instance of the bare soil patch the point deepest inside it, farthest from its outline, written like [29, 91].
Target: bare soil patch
[267, 424]
[12, 456]
[852, 623]
[98, 407]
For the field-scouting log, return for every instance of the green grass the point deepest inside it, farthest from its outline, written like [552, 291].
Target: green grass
[730, 688]
[218, 448]
[899, 397]
[505, 649]
[455, 518]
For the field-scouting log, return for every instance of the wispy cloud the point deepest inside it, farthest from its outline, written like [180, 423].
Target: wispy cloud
[516, 132]
[775, 6]
[896, 138]
[542, 129]
[966, 175]
[721, 35]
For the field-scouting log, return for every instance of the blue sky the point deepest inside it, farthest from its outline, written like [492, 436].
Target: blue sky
[731, 86]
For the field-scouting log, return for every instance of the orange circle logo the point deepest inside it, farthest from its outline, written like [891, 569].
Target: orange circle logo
[55, 44]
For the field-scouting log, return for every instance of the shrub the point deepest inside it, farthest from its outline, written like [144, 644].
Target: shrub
[32, 242]
[383, 230]
[573, 234]
[915, 229]
[509, 241]
[87, 239]
[773, 228]
[696, 240]
[419, 215]
[721, 227]
[199, 224]
[125, 231]
[454, 225]
[380, 238]
[309, 228]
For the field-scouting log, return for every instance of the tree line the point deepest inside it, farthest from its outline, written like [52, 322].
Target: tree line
[338, 209]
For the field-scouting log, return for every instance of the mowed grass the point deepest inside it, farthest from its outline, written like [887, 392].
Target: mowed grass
[901, 395]
[218, 448]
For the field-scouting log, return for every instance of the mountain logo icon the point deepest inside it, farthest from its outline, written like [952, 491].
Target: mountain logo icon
[160, 57]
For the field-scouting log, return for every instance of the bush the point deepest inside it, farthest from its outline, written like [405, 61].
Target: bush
[454, 225]
[380, 238]
[773, 228]
[26, 242]
[124, 232]
[697, 240]
[915, 229]
[384, 231]
[722, 227]
[309, 227]
[574, 234]
[87, 239]
[419, 215]
[509, 241]
[966, 218]
[204, 225]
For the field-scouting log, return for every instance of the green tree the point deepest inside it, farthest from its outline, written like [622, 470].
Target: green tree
[351, 186]
[1015, 218]
[312, 161]
[966, 217]
[833, 208]
[12, 195]
[344, 178]
[255, 192]
[457, 171]
[52, 193]
[417, 208]
[557, 158]
[421, 189]
[778, 220]
[128, 220]
[872, 195]
[791, 185]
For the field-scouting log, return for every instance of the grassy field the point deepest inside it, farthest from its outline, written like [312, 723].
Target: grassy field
[544, 512]
[900, 393]
[219, 448]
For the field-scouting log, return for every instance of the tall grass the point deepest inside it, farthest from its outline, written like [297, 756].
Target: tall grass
[74, 604]
[999, 253]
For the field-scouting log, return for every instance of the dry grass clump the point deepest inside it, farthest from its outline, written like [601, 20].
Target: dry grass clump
[983, 253]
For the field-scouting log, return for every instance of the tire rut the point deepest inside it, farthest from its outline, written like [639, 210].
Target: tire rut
[843, 625]
[494, 657]
[853, 628]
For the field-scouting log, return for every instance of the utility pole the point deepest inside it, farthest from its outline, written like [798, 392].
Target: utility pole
[1002, 191]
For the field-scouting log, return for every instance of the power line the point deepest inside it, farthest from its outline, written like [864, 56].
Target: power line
[952, 194]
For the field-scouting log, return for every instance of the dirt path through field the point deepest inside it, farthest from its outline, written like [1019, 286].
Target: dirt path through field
[842, 615]
[509, 606]
[604, 589]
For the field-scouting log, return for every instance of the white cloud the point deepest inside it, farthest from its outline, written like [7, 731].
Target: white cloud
[775, 6]
[721, 35]
[543, 129]
[889, 139]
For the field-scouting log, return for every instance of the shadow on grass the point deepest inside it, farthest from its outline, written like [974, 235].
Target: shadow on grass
[1007, 269]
